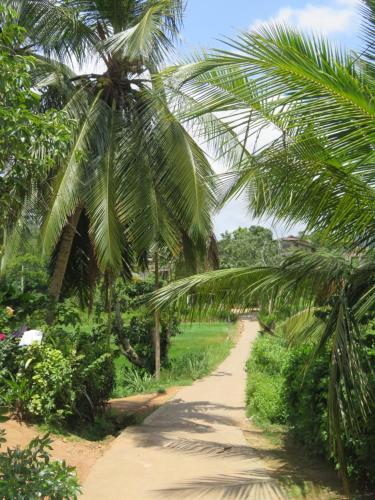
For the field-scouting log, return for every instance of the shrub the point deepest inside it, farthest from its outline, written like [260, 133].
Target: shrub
[265, 381]
[71, 374]
[286, 386]
[49, 377]
[9, 351]
[29, 473]
[305, 394]
[93, 367]
[306, 402]
[264, 399]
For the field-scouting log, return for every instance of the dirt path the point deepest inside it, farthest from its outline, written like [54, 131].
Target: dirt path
[192, 447]
[79, 452]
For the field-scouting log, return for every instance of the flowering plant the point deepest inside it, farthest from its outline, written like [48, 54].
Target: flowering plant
[7, 317]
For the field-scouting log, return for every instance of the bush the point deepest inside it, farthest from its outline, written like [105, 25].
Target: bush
[265, 380]
[29, 473]
[71, 374]
[49, 381]
[93, 367]
[285, 386]
[8, 355]
[305, 394]
[306, 403]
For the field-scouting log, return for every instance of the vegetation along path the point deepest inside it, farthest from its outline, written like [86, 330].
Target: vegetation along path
[192, 447]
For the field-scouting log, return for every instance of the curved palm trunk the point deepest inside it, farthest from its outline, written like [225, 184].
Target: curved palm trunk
[65, 247]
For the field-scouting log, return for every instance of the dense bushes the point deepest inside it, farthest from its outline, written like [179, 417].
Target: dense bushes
[69, 376]
[265, 380]
[286, 387]
[48, 394]
[94, 371]
[29, 473]
[305, 388]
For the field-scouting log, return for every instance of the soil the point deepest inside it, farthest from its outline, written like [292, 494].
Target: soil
[79, 452]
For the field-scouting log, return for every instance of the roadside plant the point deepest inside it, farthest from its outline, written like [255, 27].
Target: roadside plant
[29, 473]
[135, 380]
[48, 377]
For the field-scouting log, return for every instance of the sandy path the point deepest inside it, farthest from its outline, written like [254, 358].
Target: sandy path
[192, 447]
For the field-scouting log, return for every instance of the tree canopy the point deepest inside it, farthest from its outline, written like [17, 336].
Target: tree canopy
[250, 246]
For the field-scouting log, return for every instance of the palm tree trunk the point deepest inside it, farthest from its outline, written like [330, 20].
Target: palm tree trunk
[157, 322]
[65, 247]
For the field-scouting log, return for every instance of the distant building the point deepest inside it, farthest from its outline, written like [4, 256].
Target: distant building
[291, 243]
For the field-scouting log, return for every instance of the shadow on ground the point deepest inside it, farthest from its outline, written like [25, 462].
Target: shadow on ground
[289, 473]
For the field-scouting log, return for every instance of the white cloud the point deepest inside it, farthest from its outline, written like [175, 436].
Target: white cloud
[339, 16]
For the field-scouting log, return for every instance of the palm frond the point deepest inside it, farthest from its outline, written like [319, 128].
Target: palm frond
[152, 37]
[57, 29]
[66, 190]
[106, 229]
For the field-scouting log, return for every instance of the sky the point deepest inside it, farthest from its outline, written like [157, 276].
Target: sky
[209, 22]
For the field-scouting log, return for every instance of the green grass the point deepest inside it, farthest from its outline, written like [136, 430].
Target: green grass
[194, 353]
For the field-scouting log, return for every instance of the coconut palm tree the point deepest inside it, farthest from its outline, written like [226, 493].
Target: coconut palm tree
[133, 174]
[318, 170]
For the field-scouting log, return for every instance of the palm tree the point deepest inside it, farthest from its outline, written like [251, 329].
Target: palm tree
[319, 170]
[133, 174]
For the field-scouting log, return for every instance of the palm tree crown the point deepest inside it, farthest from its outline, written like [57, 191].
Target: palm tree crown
[134, 175]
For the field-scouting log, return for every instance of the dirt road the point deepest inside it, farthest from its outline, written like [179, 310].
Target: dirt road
[192, 447]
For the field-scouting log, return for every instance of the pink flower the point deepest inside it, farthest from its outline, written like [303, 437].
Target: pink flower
[2, 336]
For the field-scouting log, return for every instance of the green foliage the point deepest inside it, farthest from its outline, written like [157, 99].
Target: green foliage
[265, 380]
[26, 272]
[16, 395]
[92, 365]
[23, 286]
[140, 334]
[136, 380]
[192, 365]
[23, 128]
[129, 293]
[305, 395]
[253, 246]
[50, 382]
[30, 474]
[8, 355]
[288, 385]
[68, 377]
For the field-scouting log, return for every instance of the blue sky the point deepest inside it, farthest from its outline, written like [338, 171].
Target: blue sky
[209, 21]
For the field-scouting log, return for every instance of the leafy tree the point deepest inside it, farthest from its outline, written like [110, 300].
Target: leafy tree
[319, 171]
[253, 246]
[24, 131]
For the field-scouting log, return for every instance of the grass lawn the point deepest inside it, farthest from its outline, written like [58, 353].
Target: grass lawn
[194, 353]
